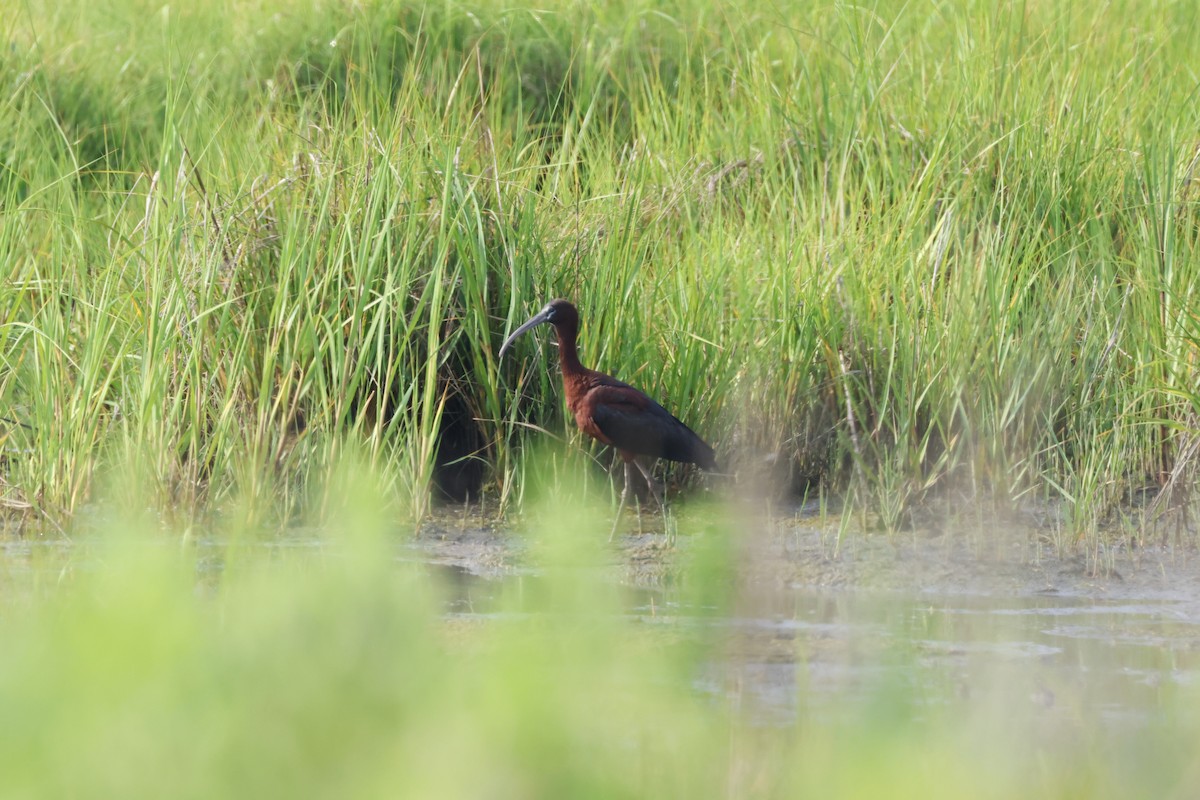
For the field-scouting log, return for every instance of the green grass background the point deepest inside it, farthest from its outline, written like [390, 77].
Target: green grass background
[899, 248]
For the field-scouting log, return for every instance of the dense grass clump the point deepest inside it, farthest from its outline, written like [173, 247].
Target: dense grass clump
[901, 251]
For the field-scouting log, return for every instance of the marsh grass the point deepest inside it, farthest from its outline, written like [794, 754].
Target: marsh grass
[903, 253]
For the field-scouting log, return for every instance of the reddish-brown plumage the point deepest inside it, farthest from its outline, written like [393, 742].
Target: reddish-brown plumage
[611, 411]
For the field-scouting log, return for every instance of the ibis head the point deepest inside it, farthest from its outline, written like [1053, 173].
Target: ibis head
[559, 313]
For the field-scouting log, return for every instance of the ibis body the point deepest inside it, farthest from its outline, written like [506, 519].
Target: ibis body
[612, 411]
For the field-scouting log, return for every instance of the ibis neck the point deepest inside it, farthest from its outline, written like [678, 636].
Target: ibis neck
[568, 354]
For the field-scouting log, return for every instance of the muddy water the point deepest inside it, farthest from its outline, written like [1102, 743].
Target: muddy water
[1117, 658]
[818, 620]
[1112, 636]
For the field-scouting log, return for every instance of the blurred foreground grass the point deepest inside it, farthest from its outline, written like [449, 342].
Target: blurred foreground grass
[132, 669]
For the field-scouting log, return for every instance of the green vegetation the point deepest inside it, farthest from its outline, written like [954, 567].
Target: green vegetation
[904, 249]
[256, 259]
[328, 671]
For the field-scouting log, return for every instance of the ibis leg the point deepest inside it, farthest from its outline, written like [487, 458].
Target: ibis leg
[658, 498]
[624, 498]
[652, 485]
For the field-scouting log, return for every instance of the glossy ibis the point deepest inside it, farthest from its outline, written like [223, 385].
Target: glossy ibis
[613, 412]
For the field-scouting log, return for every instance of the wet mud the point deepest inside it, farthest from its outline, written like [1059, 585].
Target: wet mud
[800, 551]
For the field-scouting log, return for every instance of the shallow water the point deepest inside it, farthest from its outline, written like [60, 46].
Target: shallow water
[805, 647]
[813, 629]
[1058, 652]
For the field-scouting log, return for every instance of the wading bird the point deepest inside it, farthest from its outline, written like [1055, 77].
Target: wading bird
[614, 412]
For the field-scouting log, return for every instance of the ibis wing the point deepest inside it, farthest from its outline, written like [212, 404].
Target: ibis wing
[637, 424]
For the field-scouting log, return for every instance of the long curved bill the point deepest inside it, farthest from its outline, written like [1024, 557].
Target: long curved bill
[533, 323]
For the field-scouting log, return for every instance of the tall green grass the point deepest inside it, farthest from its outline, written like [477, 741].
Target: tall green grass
[907, 251]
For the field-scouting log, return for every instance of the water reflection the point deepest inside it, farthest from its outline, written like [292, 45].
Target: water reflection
[802, 649]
